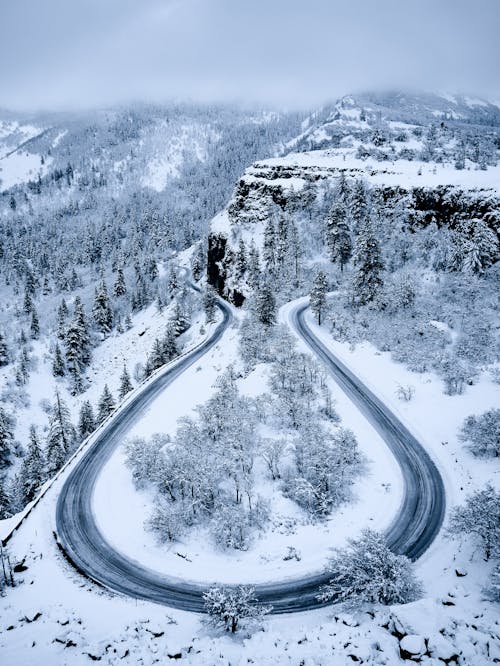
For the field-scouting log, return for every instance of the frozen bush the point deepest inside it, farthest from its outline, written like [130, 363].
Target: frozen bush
[482, 433]
[228, 608]
[367, 571]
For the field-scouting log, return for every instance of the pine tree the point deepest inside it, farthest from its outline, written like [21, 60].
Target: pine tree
[359, 205]
[32, 473]
[265, 305]
[253, 269]
[169, 343]
[125, 383]
[4, 499]
[173, 282]
[86, 422]
[62, 313]
[101, 310]
[106, 405]
[317, 297]
[180, 319]
[368, 266]
[128, 322]
[58, 368]
[269, 247]
[120, 288]
[28, 303]
[241, 261]
[6, 436]
[209, 304]
[77, 346]
[4, 354]
[35, 325]
[61, 437]
[338, 236]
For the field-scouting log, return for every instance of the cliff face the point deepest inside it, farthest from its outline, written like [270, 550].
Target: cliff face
[297, 185]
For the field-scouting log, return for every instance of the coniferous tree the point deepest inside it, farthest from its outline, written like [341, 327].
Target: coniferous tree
[338, 236]
[58, 367]
[86, 422]
[4, 354]
[209, 304]
[101, 310]
[28, 303]
[265, 305]
[4, 499]
[125, 383]
[253, 269]
[359, 205]
[6, 436]
[180, 318]
[169, 343]
[317, 297]
[241, 261]
[61, 437]
[106, 405]
[62, 314]
[35, 325]
[368, 266]
[119, 288]
[32, 473]
[269, 247]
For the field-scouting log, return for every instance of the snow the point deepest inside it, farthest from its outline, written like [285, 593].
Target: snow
[401, 173]
[20, 167]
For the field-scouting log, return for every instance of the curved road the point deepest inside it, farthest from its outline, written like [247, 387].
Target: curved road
[413, 530]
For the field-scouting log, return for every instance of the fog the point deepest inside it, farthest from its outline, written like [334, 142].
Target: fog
[66, 54]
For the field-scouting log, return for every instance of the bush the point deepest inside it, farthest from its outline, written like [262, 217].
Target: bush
[480, 517]
[227, 608]
[483, 433]
[369, 572]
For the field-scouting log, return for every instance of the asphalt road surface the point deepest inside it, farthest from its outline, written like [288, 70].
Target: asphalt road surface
[412, 531]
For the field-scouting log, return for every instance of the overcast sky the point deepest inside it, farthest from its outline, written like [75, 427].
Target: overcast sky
[84, 53]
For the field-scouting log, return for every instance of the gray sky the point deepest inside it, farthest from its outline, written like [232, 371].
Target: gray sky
[81, 53]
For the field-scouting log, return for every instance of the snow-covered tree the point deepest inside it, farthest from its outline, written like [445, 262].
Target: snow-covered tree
[367, 265]
[228, 608]
[368, 572]
[265, 304]
[479, 517]
[106, 405]
[483, 433]
[86, 421]
[481, 250]
[101, 310]
[32, 472]
[4, 499]
[338, 236]
[317, 298]
[209, 304]
[125, 383]
[6, 436]
[4, 353]
[58, 367]
[61, 438]
[119, 288]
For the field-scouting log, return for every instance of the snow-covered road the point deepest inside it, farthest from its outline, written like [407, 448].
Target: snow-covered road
[413, 530]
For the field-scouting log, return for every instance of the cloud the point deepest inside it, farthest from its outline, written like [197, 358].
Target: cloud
[84, 53]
